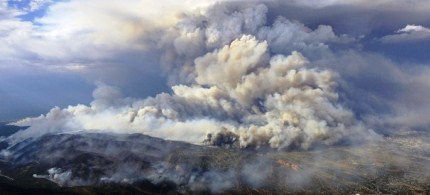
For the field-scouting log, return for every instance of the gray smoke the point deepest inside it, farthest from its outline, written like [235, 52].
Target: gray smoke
[266, 100]
[229, 76]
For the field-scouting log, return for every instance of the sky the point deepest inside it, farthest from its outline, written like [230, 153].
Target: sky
[367, 60]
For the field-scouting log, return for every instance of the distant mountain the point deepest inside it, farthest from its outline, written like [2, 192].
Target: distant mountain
[7, 130]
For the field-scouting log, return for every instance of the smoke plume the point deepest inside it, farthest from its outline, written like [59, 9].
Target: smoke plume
[265, 100]
[230, 72]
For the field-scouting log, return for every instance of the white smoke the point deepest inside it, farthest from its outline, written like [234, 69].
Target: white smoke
[266, 100]
[57, 175]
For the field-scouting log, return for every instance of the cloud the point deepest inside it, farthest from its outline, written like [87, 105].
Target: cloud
[413, 28]
[116, 29]
[409, 33]
[105, 32]
[360, 3]
[109, 43]
[37, 4]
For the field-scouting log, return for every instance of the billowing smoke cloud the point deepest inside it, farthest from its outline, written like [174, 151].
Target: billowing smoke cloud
[120, 43]
[266, 100]
[230, 71]
[198, 34]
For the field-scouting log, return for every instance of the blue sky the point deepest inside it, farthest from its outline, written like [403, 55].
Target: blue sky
[30, 10]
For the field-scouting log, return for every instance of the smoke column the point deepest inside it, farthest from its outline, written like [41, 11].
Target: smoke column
[239, 85]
